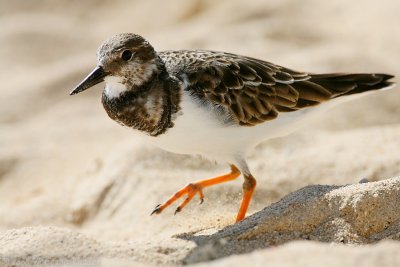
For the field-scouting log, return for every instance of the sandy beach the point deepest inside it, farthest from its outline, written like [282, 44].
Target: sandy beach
[77, 189]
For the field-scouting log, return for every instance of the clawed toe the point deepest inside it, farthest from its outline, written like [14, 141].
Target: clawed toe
[178, 209]
[190, 190]
[156, 210]
[196, 188]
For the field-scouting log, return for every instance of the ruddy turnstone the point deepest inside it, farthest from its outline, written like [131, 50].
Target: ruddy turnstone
[215, 104]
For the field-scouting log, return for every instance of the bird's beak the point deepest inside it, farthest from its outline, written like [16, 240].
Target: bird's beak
[95, 77]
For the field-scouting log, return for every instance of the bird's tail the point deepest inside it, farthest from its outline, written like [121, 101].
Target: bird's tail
[348, 84]
[320, 88]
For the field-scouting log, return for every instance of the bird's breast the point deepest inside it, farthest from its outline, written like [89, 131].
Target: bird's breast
[143, 113]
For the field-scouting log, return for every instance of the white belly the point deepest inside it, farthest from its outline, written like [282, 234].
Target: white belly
[198, 131]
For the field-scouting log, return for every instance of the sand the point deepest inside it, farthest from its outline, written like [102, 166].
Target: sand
[76, 189]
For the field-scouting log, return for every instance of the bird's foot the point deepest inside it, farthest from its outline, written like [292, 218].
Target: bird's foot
[190, 190]
[196, 188]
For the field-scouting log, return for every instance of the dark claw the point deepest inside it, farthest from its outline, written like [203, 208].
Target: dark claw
[178, 209]
[201, 201]
[156, 209]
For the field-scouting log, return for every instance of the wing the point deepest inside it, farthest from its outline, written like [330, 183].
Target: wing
[253, 91]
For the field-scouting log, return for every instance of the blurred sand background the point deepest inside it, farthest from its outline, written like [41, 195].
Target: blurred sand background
[76, 188]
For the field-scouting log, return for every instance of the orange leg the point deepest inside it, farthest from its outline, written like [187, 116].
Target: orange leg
[192, 189]
[248, 189]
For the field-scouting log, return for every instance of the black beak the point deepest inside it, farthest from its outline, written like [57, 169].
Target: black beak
[95, 77]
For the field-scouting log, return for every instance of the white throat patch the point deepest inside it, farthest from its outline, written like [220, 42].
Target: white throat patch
[114, 88]
[138, 75]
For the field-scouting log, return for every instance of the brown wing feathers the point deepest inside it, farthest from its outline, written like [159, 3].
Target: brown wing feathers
[253, 91]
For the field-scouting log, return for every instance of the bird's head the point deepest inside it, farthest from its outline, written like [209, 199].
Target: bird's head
[124, 62]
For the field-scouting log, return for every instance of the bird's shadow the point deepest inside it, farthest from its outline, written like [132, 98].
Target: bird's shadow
[230, 241]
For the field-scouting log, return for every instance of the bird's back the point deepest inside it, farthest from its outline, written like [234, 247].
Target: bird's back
[251, 91]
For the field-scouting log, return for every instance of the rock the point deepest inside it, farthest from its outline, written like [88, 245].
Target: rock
[350, 214]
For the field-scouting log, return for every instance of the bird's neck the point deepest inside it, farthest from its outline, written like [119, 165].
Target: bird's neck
[147, 107]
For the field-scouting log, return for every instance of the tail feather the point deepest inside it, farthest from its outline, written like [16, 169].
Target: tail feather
[324, 87]
[348, 84]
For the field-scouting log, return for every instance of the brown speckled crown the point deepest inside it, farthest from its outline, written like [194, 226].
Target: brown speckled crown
[142, 48]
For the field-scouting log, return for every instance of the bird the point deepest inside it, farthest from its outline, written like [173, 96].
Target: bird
[214, 104]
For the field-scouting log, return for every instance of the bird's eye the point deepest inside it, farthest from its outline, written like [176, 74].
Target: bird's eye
[126, 55]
